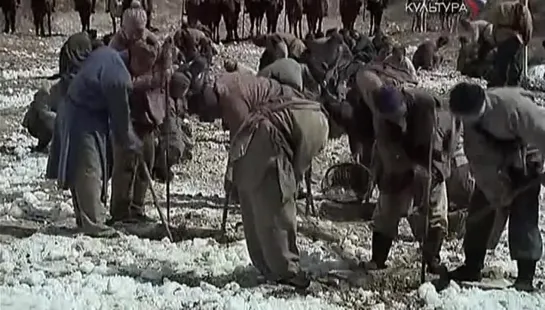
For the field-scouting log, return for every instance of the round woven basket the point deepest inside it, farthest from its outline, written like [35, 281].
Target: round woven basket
[347, 183]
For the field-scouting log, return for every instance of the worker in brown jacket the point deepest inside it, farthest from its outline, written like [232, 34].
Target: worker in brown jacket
[129, 180]
[504, 134]
[406, 122]
[193, 42]
[426, 55]
[274, 137]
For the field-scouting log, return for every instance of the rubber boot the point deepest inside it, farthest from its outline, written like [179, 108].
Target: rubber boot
[381, 245]
[431, 250]
[471, 269]
[525, 278]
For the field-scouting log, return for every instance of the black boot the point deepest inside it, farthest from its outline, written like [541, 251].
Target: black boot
[299, 280]
[381, 245]
[525, 278]
[431, 250]
[471, 269]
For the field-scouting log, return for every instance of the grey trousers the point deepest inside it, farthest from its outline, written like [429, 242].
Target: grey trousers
[266, 189]
[87, 186]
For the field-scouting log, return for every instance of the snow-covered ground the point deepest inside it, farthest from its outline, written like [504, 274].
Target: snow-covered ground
[44, 265]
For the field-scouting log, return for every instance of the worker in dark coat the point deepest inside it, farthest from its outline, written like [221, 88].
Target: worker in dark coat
[95, 104]
[512, 30]
[274, 137]
[503, 127]
[72, 55]
[406, 122]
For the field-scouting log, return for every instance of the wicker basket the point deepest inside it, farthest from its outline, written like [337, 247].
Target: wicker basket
[347, 183]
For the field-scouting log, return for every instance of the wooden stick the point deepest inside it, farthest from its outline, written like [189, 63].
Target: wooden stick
[426, 204]
[309, 205]
[154, 196]
[525, 54]
[226, 210]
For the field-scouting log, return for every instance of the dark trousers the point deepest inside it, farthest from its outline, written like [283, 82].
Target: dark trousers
[524, 236]
[507, 64]
[9, 19]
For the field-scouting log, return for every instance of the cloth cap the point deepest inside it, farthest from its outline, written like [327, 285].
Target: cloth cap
[73, 52]
[390, 103]
[230, 65]
[466, 99]
[134, 18]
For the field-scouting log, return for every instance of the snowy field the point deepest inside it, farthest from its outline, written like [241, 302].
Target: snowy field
[45, 265]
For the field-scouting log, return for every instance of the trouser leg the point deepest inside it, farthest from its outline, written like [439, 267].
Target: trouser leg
[500, 221]
[524, 236]
[276, 227]
[251, 236]
[6, 20]
[480, 220]
[390, 208]
[507, 64]
[438, 223]
[460, 187]
[87, 188]
[525, 242]
[141, 180]
[123, 173]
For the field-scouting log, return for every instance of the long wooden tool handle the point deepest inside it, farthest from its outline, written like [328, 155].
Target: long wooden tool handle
[426, 204]
[226, 209]
[148, 175]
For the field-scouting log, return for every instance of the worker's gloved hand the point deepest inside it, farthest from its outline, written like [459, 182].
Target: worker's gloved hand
[136, 147]
[421, 172]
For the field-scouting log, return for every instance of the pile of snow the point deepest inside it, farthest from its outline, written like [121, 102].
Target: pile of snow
[52, 272]
[456, 298]
[25, 74]
[16, 98]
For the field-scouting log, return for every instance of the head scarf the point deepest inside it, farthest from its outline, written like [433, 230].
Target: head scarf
[134, 18]
[73, 52]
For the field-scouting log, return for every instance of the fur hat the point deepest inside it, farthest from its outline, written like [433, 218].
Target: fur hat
[134, 18]
[466, 99]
